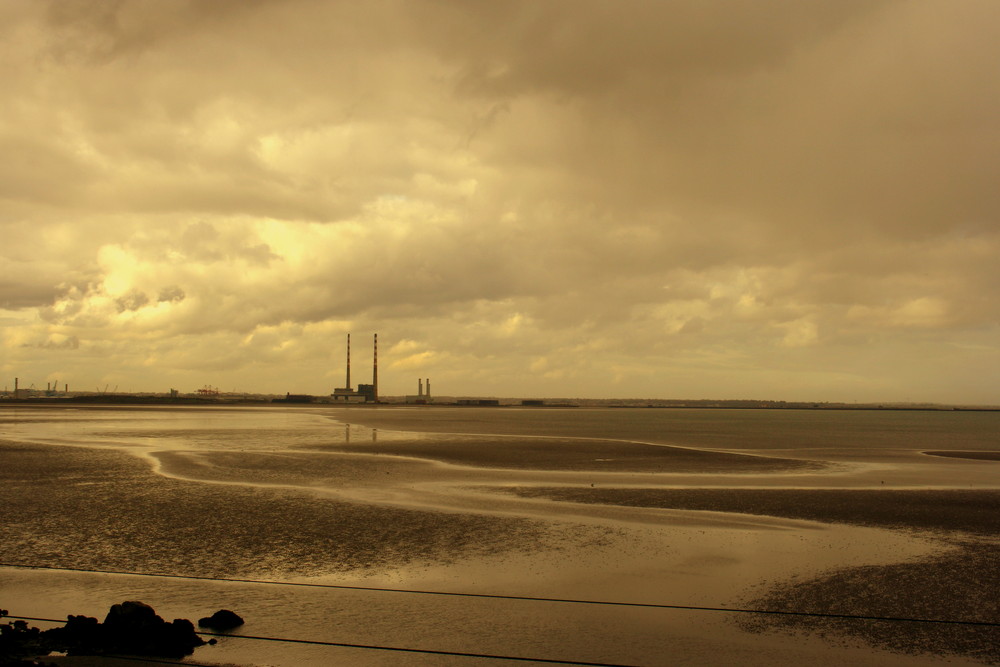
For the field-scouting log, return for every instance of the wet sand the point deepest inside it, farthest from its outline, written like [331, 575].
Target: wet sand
[499, 514]
[973, 456]
[103, 509]
[959, 581]
[596, 455]
[944, 510]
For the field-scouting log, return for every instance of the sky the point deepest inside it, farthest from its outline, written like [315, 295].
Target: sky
[737, 199]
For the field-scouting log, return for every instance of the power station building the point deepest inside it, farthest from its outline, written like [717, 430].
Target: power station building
[365, 393]
[422, 397]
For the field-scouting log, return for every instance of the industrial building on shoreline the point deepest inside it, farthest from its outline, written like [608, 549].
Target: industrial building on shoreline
[365, 393]
[368, 393]
[423, 397]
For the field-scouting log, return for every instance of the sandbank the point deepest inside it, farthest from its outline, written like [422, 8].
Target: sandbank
[976, 512]
[597, 455]
[973, 456]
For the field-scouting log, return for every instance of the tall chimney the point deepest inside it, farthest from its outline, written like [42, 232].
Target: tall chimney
[375, 369]
[428, 384]
[420, 387]
[348, 385]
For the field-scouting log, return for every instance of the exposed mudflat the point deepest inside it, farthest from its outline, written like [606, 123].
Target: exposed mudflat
[975, 512]
[296, 497]
[104, 509]
[578, 454]
[972, 456]
[958, 584]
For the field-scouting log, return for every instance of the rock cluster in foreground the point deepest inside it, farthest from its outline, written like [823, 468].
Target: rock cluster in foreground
[130, 628]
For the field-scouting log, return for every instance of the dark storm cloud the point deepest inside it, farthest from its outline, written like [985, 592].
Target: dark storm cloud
[18, 295]
[593, 47]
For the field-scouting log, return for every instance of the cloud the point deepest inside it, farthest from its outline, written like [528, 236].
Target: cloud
[57, 343]
[133, 300]
[800, 333]
[651, 197]
[172, 293]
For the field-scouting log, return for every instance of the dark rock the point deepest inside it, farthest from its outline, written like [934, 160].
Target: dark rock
[131, 616]
[221, 620]
[82, 635]
[131, 628]
[20, 644]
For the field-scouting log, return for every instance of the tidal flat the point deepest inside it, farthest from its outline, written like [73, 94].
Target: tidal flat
[516, 504]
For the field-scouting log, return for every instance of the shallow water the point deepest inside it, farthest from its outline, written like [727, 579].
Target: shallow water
[590, 552]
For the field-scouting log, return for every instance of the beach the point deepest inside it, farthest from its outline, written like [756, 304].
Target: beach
[541, 504]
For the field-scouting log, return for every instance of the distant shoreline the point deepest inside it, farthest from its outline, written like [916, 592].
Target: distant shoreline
[323, 401]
